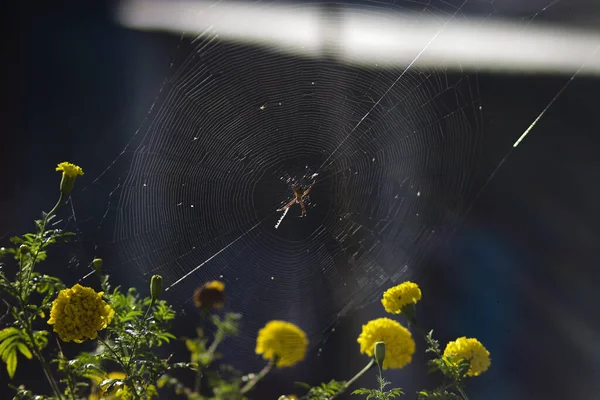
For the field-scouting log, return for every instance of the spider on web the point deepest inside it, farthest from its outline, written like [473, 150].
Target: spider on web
[299, 196]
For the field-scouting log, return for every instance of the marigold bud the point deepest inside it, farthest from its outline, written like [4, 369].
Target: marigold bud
[23, 249]
[97, 263]
[379, 353]
[156, 287]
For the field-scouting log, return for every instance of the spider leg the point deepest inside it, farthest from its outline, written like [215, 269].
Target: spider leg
[288, 205]
[303, 208]
[307, 192]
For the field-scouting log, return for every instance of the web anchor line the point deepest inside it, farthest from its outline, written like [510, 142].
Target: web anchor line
[393, 84]
[528, 130]
[217, 253]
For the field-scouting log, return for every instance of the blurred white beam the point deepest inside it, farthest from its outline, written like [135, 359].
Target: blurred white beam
[383, 40]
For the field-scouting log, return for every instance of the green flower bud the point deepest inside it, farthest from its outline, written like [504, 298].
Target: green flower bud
[23, 249]
[379, 353]
[97, 263]
[155, 287]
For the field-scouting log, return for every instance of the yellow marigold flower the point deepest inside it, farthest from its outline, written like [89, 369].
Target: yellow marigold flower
[288, 397]
[282, 341]
[210, 295]
[471, 350]
[70, 172]
[399, 344]
[397, 297]
[79, 313]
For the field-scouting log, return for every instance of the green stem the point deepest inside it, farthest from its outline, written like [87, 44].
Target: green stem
[135, 340]
[41, 358]
[70, 383]
[117, 358]
[41, 238]
[23, 296]
[462, 393]
[63, 359]
[198, 380]
[26, 323]
[258, 377]
[351, 381]
[219, 336]
[122, 364]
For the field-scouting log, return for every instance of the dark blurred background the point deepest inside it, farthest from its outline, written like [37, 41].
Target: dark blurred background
[520, 272]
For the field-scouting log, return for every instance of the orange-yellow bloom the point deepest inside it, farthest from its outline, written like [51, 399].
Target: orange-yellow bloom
[471, 350]
[397, 297]
[79, 313]
[399, 344]
[282, 341]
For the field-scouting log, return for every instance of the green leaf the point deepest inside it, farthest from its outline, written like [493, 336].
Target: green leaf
[41, 339]
[11, 362]
[362, 391]
[10, 331]
[16, 240]
[24, 350]
[8, 342]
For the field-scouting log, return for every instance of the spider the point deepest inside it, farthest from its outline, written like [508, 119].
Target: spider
[299, 195]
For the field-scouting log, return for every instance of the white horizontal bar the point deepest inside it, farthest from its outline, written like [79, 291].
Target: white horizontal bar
[383, 40]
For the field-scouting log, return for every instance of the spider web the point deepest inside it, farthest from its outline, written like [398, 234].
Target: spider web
[392, 155]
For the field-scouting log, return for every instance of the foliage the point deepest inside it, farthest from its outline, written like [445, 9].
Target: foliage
[224, 383]
[11, 341]
[127, 362]
[324, 391]
[380, 394]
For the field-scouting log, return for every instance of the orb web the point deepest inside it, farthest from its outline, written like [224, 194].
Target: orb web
[388, 152]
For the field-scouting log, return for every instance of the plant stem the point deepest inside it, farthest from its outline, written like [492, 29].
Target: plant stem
[134, 347]
[117, 358]
[41, 238]
[462, 393]
[23, 295]
[198, 380]
[211, 351]
[123, 365]
[68, 371]
[258, 377]
[48, 373]
[41, 358]
[351, 381]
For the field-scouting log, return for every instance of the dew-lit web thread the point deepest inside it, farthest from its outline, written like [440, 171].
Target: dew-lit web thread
[531, 126]
[391, 86]
[234, 121]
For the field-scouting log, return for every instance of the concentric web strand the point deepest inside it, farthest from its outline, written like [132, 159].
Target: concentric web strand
[391, 155]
